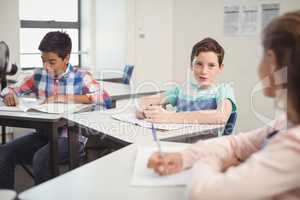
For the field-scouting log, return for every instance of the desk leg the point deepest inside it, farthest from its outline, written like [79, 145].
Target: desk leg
[53, 135]
[3, 134]
[73, 147]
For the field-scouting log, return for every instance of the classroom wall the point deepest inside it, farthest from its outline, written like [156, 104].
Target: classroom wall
[9, 32]
[88, 34]
[9, 27]
[137, 32]
[153, 41]
[196, 19]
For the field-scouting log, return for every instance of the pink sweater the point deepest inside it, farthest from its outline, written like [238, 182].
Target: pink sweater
[236, 167]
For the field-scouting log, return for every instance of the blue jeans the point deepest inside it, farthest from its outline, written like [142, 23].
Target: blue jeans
[33, 149]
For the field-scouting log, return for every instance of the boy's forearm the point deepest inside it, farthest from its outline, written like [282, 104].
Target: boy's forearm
[72, 99]
[200, 117]
[81, 99]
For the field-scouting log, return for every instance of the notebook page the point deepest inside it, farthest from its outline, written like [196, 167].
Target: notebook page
[143, 176]
[130, 118]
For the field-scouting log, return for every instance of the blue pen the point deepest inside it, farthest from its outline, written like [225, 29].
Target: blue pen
[156, 139]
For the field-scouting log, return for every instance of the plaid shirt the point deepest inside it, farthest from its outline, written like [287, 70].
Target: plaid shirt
[72, 82]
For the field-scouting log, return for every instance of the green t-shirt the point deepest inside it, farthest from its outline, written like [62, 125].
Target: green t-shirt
[190, 97]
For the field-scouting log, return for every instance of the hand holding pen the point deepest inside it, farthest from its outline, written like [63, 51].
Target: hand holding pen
[170, 163]
[164, 164]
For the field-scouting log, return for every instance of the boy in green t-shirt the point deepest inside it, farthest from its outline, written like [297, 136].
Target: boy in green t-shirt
[203, 101]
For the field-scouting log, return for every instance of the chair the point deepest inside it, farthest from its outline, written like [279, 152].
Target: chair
[229, 127]
[127, 73]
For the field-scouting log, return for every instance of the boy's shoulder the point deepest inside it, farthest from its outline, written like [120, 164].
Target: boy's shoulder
[80, 71]
[39, 72]
[224, 86]
[217, 87]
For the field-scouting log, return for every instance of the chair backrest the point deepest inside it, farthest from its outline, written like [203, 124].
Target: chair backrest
[127, 73]
[229, 127]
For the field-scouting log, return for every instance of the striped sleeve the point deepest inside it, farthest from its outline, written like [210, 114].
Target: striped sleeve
[23, 87]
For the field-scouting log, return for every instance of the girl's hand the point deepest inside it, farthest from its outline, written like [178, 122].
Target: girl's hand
[167, 164]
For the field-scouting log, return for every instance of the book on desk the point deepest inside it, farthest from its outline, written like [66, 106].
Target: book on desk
[34, 105]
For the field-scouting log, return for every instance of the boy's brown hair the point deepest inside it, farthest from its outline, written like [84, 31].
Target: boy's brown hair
[206, 45]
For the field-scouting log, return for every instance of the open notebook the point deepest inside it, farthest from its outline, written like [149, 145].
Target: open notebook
[143, 176]
[34, 105]
[130, 118]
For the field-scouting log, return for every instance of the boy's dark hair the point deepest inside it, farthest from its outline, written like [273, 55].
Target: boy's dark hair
[56, 42]
[206, 45]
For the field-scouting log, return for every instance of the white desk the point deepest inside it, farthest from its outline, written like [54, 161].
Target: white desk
[105, 178]
[101, 122]
[49, 123]
[8, 195]
[120, 91]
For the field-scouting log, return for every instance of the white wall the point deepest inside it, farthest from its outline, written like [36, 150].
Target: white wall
[137, 32]
[9, 31]
[88, 34]
[111, 33]
[9, 23]
[195, 19]
[153, 41]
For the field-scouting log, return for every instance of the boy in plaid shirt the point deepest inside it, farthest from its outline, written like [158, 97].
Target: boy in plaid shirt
[58, 81]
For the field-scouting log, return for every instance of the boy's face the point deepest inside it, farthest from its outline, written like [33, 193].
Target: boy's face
[53, 64]
[205, 68]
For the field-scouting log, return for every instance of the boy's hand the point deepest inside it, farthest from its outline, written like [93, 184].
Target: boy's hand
[157, 114]
[170, 163]
[139, 114]
[11, 99]
[143, 103]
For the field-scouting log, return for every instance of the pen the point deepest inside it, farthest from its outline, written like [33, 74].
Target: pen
[156, 139]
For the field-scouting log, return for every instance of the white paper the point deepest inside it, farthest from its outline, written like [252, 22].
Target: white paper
[231, 20]
[249, 20]
[130, 118]
[269, 12]
[30, 104]
[142, 176]
[59, 108]
[23, 106]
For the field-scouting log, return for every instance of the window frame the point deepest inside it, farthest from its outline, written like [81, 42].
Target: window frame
[31, 24]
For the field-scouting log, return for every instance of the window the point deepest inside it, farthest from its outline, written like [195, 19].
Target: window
[41, 16]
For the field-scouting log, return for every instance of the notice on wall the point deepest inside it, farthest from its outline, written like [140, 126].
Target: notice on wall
[248, 18]
[268, 12]
[231, 20]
